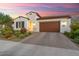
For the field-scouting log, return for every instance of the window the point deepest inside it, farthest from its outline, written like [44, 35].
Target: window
[16, 24]
[20, 24]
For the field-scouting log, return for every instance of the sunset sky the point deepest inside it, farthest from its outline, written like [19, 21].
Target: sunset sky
[44, 9]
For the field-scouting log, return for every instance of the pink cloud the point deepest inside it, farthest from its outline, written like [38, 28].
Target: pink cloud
[6, 6]
[70, 6]
[52, 13]
[11, 8]
[13, 5]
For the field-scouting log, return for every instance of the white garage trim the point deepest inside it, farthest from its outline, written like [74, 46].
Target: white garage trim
[64, 24]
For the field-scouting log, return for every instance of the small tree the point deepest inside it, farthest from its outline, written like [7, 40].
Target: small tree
[5, 19]
[1, 18]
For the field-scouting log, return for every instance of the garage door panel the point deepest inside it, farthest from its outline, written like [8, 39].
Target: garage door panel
[50, 26]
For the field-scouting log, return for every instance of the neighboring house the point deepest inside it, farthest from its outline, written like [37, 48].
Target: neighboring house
[20, 22]
[35, 23]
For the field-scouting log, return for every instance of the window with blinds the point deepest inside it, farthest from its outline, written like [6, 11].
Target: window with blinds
[20, 24]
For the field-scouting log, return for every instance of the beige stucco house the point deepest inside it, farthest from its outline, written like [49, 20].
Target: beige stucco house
[20, 22]
[33, 22]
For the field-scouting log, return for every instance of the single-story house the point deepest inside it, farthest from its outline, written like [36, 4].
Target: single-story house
[33, 22]
[22, 22]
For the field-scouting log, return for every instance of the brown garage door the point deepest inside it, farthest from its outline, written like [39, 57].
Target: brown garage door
[50, 26]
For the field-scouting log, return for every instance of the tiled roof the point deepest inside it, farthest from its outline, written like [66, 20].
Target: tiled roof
[52, 17]
[21, 17]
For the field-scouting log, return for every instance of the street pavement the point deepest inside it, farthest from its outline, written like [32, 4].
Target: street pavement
[8, 48]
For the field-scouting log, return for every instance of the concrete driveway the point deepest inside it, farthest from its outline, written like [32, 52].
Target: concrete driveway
[50, 39]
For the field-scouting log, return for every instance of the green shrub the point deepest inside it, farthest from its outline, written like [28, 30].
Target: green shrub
[75, 25]
[66, 33]
[21, 36]
[76, 39]
[29, 33]
[76, 32]
[7, 32]
[69, 34]
[17, 33]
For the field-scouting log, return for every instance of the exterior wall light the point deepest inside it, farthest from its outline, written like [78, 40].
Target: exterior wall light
[34, 24]
[64, 23]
